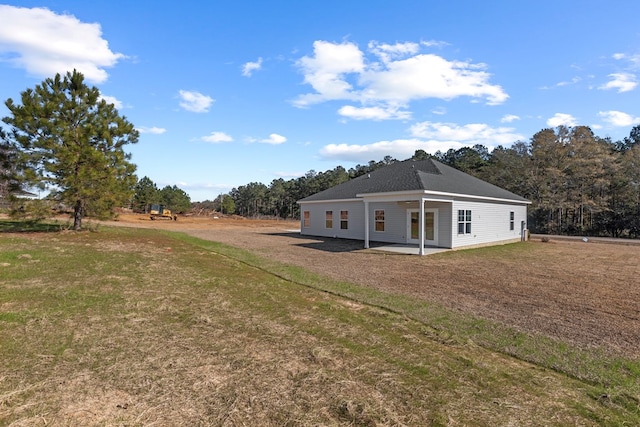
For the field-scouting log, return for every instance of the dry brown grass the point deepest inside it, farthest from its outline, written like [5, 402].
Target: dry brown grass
[583, 293]
[138, 328]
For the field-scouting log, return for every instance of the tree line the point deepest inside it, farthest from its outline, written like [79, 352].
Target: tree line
[146, 193]
[578, 183]
[279, 198]
[62, 137]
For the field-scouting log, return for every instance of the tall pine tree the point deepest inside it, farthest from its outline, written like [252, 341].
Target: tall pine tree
[72, 141]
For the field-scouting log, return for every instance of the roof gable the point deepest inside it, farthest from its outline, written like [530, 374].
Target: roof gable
[414, 175]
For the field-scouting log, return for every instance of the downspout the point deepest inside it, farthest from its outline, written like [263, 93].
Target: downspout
[366, 224]
[421, 227]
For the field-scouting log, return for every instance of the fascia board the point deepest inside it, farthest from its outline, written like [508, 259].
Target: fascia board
[443, 195]
[328, 201]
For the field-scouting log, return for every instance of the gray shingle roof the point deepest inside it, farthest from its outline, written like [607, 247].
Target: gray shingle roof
[415, 175]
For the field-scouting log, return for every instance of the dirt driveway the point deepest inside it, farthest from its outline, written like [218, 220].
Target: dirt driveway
[585, 293]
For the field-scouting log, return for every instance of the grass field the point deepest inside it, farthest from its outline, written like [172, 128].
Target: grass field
[143, 327]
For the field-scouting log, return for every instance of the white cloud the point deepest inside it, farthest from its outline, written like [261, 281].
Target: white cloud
[396, 75]
[430, 76]
[112, 100]
[634, 60]
[387, 52]
[373, 113]
[289, 174]
[562, 119]
[326, 70]
[439, 111]
[217, 137]
[435, 43]
[152, 130]
[274, 139]
[509, 118]
[427, 136]
[250, 67]
[623, 82]
[469, 134]
[45, 43]
[619, 119]
[573, 81]
[400, 149]
[195, 101]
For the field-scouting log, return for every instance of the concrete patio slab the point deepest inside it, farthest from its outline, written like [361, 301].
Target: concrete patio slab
[408, 249]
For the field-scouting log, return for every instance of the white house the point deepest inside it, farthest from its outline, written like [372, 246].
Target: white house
[422, 202]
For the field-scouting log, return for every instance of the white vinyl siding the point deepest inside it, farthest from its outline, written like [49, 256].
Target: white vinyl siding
[487, 223]
[395, 222]
[490, 222]
[445, 223]
[318, 220]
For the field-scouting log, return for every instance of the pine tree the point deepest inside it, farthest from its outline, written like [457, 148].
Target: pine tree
[145, 193]
[72, 141]
[175, 199]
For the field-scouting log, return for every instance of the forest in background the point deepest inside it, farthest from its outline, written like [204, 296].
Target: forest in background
[578, 183]
[65, 140]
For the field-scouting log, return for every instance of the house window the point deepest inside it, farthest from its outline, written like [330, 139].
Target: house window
[379, 219]
[306, 219]
[511, 221]
[464, 222]
[328, 219]
[344, 220]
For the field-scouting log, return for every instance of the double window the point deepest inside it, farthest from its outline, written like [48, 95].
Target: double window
[379, 220]
[328, 219]
[464, 221]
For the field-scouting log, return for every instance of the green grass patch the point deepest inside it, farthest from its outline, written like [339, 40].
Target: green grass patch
[613, 375]
[8, 226]
[142, 327]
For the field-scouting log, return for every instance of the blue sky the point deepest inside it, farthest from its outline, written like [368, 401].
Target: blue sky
[228, 93]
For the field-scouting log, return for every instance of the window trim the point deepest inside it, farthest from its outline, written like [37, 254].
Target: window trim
[464, 221]
[344, 220]
[378, 220]
[328, 219]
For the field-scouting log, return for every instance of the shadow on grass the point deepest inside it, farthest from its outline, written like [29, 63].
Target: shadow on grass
[15, 226]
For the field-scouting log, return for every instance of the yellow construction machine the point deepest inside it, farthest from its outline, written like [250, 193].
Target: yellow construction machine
[160, 212]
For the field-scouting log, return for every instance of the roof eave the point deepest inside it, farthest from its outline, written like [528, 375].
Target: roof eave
[441, 194]
[395, 195]
[329, 200]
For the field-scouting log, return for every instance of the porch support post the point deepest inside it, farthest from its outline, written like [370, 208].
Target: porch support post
[421, 227]
[366, 224]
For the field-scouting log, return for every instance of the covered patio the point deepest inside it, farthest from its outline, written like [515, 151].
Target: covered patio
[419, 221]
